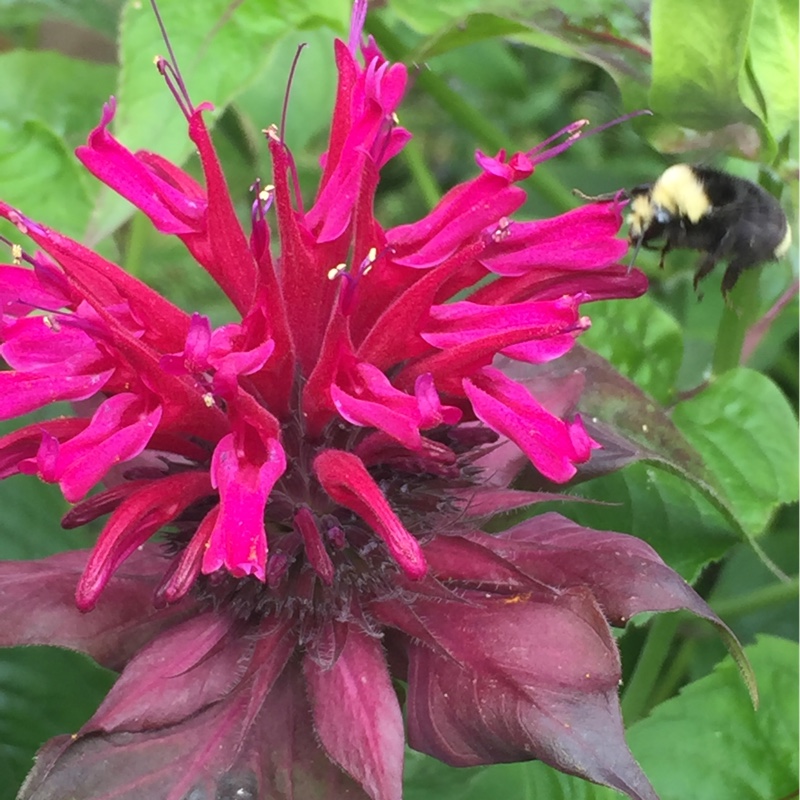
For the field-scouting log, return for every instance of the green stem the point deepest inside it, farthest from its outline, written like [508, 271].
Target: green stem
[138, 232]
[673, 677]
[765, 597]
[736, 319]
[638, 690]
[728, 609]
[488, 136]
[423, 179]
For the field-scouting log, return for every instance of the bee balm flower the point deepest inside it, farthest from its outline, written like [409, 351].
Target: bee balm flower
[317, 474]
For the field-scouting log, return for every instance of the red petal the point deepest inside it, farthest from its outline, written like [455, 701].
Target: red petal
[188, 668]
[346, 480]
[258, 742]
[624, 573]
[357, 715]
[135, 520]
[111, 634]
[531, 675]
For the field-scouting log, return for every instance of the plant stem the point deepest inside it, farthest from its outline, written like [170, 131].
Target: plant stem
[638, 690]
[771, 595]
[138, 231]
[672, 678]
[423, 179]
[728, 609]
[735, 322]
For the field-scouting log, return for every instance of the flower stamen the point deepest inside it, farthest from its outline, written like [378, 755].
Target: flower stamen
[285, 108]
[573, 133]
[170, 70]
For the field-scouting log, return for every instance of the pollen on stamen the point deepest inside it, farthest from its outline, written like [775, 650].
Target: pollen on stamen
[272, 133]
[369, 261]
[16, 254]
[336, 271]
[502, 231]
[208, 399]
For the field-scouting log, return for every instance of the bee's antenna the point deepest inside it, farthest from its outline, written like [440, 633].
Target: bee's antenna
[619, 196]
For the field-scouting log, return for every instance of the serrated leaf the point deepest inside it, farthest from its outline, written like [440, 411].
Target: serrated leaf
[747, 433]
[641, 340]
[725, 748]
[220, 46]
[699, 53]
[60, 92]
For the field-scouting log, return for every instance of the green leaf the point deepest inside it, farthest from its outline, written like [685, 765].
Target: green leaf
[664, 510]
[641, 340]
[629, 423]
[773, 45]
[221, 47]
[474, 28]
[41, 176]
[605, 33]
[747, 433]
[429, 779]
[44, 691]
[32, 510]
[64, 94]
[48, 103]
[736, 441]
[749, 596]
[100, 15]
[426, 17]
[723, 746]
[313, 90]
[699, 51]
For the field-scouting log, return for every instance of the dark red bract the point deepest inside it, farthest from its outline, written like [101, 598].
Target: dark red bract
[318, 474]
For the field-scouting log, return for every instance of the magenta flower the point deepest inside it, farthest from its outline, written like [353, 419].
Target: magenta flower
[318, 473]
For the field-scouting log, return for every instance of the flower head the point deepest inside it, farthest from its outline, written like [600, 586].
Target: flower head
[318, 472]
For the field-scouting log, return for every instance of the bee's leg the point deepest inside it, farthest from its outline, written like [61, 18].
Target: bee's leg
[735, 268]
[706, 265]
[664, 250]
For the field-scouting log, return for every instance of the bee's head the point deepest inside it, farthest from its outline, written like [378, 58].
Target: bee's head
[645, 219]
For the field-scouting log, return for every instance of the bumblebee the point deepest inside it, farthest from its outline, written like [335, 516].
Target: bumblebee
[700, 208]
